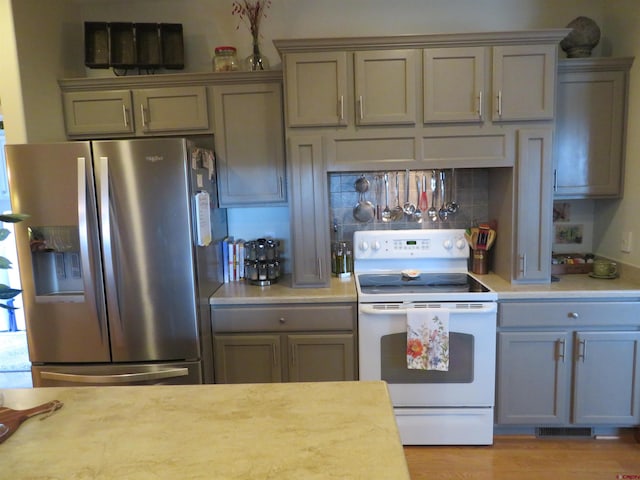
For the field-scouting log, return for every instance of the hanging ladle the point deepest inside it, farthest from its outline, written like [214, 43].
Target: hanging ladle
[452, 205]
[386, 213]
[433, 211]
[364, 211]
[417, 215]
[408, 208]
[443, 213]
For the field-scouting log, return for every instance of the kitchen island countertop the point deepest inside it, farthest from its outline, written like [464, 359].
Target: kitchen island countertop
[574, 286]
[285, 431]
[234, 293]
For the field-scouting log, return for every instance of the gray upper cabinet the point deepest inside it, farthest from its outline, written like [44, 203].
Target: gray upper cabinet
[318, 92]
[592, 97]
[98, 113]
[524, 78]
[171, 109]
[309, 213]
[385, 87]
[249, 144]
[534, 177]
[454, 85]
[316, 85]
[135, 112]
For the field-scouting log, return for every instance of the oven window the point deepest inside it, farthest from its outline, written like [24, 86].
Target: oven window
[394, 361]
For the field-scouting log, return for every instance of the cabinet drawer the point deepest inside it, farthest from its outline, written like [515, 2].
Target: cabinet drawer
[569, 314]
[280, 319]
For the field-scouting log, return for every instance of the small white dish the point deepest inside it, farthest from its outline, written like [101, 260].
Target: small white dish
[410, 273]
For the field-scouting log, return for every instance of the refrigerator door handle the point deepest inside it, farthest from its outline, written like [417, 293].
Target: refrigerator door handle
[109, 270]
[83, 233]
[117, 378]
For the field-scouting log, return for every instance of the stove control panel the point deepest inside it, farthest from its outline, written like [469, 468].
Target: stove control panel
[390, 244]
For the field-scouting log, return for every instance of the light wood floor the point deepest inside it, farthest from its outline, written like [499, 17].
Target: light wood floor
[528, 458]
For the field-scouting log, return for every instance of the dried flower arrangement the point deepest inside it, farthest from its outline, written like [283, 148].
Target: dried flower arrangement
[251, 13]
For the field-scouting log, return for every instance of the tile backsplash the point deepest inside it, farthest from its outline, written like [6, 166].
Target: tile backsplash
[468, 187]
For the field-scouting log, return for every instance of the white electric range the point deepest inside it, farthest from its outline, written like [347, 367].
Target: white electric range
[397, 271]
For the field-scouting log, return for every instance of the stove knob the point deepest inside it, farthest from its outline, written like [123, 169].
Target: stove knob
[461, 244]
[447, 244]
[375, 246]
[364, 245]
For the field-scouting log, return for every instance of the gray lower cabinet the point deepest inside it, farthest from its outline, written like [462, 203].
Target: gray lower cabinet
[563, 364]
[302, 343]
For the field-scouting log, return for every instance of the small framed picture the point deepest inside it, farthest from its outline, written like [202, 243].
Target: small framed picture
[568, 234]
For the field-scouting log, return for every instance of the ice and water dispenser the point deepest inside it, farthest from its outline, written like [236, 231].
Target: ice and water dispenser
[55, 257]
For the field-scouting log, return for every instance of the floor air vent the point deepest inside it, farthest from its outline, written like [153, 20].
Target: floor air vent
[564, 432]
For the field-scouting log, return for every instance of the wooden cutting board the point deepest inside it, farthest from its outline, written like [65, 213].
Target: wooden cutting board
[12, 419]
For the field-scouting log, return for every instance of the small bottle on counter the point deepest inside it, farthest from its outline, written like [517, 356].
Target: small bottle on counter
[225, 59]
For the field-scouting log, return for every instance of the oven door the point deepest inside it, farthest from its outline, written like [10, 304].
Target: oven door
[470, 380]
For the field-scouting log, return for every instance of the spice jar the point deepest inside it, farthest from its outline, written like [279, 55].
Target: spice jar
[225, 59]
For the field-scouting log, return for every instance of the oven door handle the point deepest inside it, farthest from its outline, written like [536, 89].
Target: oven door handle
[395, 309]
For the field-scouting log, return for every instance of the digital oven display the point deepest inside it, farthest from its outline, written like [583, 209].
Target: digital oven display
[411, 242]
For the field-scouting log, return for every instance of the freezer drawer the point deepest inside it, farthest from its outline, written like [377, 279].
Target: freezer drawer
[176, 373]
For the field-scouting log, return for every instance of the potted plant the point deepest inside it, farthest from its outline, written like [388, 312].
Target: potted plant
[6, 292]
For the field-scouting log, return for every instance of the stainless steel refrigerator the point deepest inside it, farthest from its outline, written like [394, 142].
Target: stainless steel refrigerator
[118, 258]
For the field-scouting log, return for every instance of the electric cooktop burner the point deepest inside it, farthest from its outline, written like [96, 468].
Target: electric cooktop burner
[381, 283]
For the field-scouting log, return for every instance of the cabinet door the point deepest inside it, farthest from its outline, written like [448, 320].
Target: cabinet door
[534, 206]
[309, 213]
[607, 378]
[385, 87]
[533, 378]
[589, 134]
[454, 85]
[172, 109]
[249, 144]
[316, 88]
[98, 113]
[524, 78]
[321, 358]
[247, 359]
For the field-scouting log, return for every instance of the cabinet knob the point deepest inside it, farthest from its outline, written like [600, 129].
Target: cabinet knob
[573, 315]
[282, 320]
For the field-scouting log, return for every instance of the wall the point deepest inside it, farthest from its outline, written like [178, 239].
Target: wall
[49, 45]
[614, 218]
[208, 23]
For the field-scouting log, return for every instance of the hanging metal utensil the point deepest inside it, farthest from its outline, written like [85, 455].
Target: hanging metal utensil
[397, 213]
[433, 211]
[443, 213]
[452, 205]
[408, 207]
[386, 213]
[364, 211]
[417, 215]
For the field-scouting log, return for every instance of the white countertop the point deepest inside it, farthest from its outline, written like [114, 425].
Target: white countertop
[340, 290]
[307, 431]
[576, 286]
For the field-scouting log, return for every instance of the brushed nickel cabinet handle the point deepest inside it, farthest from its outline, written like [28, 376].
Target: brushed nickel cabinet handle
[125, 116]
[560, 346]
[500, 103]
[480, 104]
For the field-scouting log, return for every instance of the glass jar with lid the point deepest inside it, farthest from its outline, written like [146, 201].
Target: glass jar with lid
[225, 59]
